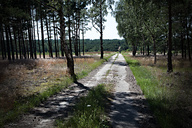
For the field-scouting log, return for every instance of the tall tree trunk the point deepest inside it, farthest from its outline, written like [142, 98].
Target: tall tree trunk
[185, 51]
[188, 43]
[50, 40]
[38, 39]
[1, 41]
[79, 44]
[169, 65]
[42, 35]
[34, 39]
[101, 30]
[27, 48]
[143, 44]
[19, 40]
[11, 41]
[15, 39]
[148, 50]
[62, 50]
[30, 43]
[57, 40]
[154, 50]
[7, 41]
[79, 33]
[69, 57]
[55, 36]
[182, 48]
[76, 38]
[69, 32]
[83, 39]
[48, 37]
[23, 42]
[134, 50]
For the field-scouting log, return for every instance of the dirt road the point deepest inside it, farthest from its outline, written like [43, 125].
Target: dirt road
[129, 108]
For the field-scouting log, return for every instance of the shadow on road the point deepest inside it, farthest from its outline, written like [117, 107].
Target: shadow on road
[130, 110]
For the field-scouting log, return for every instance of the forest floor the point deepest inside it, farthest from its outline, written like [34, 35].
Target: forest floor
[128, 107]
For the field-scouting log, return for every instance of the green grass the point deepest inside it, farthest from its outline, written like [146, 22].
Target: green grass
[89, 112]
[24, 104]
[160, 98]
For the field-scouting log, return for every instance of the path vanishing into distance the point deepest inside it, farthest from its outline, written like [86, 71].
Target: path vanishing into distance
[129, 108]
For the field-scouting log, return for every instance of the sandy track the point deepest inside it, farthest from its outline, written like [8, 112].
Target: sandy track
[129, 107]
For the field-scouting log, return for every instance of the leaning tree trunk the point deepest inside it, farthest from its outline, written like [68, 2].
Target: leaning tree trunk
[169, 65]
[69, 57]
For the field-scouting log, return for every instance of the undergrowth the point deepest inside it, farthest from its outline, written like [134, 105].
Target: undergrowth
[170, 103]
[89, 112]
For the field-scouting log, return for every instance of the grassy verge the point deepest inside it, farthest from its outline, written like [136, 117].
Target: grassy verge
[163, 94]
[24, 104]
[89, 111]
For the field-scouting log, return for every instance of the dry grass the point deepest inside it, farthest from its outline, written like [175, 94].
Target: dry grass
[23, 78]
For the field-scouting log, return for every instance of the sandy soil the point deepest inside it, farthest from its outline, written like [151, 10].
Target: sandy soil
[129, 107]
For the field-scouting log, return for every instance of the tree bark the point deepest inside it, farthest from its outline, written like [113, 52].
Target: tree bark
[1, 42]
[154, 50]
[101, 30]
[38, 39]
[19, 39]
[55, 36]
[30, 42]
[83, 39]
[15, 39]
[42, 35]
[188, 43]
[69, 57]
[148, 50]
[48, 37]
[169, 65]
[11, 41]
[134, 50]
[76, 38]
[7, 40]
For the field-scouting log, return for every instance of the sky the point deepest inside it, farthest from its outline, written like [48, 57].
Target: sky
[110, 31]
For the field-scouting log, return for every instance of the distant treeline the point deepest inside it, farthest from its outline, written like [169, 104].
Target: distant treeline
[89, 46]
[108, 45]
